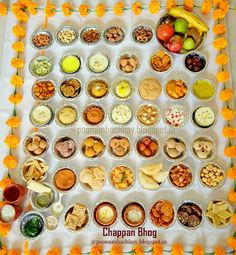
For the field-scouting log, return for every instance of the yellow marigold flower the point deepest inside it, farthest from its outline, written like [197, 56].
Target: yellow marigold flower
[4, 229]
[116, 250]
[54, 251]
[220, 43]
[226, 94]
[10, 162]
[67, 9]
[230, 151]
[17, 62]
[231, 173]
[188, 5]
[233, 219]
[206, 6]
[16, 80]
[219, 29]
[177, 249]
[154, 6]
[96, 250]
[119, 9]
[18, 46]
[3, 9]
[75, 250]
[83, 10]
[13, 252]
[50, 10]
[170, 4]
[198, 249]
[15, 99]
[3, 251]
[5, 182]
[13, 122]
[157, 249]
[138, 249]
[32, 7]
[137, 8]
[12, 141]
[222, 59]
[218, 14]
[100, 10]
[19, 31]
[232, 195]
[222, 76]
[228, 114]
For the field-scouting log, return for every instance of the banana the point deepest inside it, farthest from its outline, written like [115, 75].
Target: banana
[147, 182]
[151, 169]
[192, 19]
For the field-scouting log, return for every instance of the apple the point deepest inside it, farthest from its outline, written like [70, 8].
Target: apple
[165, 31]
[189, 43]
[181, 26]
[175, 44]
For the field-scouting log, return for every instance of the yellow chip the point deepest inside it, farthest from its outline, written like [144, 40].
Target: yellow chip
[216, 220]
[210, 205]
[225, 214]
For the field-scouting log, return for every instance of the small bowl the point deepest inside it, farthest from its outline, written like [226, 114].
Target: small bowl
[171, 62]
[200, 56]
[90, 84]
[74, 107]
[34, 123]
[117, 81]
[131, 184]
[70, 55]
[66, 190]
[105, 68]
[27, 140]
[63, 29]
[69, 210]
[123, 122]
[50, 218]
[87, 28]
[86, 108]
[33, 197]
[120, 32]
[180, 98]
[43, 100]
[128, 55]
[208, 99]
[202, 215]
[41, 32]
[79, 90]
[220, 184]
[25, 219]
[50, 65]
[63, 139]
[94, 212]
[44, 176]
[141, 207]
[142, 26]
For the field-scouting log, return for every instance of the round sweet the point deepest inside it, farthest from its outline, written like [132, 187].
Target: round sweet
[70, 64]
[150, 88]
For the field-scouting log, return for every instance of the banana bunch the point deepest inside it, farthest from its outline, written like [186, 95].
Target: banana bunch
[192, 19]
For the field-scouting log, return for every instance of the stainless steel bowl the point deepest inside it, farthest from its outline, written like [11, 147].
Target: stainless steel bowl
[98, 79]
[40, 58]
[177, 99]
[110, 27]
[43, 100]
[123, 123]
[67, 55]
[128, 54]
[98, 72]
[90, 106]
[132, 35]
[119, 80]
[70, 98]
[41, 32]
[64, 28]
[87, 28]
[74, 107]
[203, 56]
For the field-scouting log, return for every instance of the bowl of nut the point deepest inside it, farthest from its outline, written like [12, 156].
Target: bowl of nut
[41, 39]
[128, 63]
[161, 62]
[66, 35]
[142, 34]
[114, 35]
[90, 35]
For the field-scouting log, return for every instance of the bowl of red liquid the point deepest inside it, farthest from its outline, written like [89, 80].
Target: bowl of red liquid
[14, 193]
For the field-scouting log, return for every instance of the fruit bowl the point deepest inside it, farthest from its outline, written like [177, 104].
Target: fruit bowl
[180, 31]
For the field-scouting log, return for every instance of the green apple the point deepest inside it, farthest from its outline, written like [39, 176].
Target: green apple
[189, 44]
[181, 26]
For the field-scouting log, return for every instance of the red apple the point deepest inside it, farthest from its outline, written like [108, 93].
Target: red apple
[175, 44]
[165, 31]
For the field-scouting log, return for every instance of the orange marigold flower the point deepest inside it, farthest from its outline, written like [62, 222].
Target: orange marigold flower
[232, 195]
[16, 80]
[4, 229]
[12, 141]
[224, 6]
[226, 94]
[219, 29]
[170, 4]
[138, 249]
[5, 182]
[177, 249]
[198, 249]
[218, 14]
[67, 9]
[50, 10]
[3, 9]
[54, 251]
[18, 31]
[32, 7]
[13, 252]
[188, 5]
[100, 10]
[157, 249]
[222, 59]
[13, 122]
[231, 172]
[216, 2]
[3, 250]
[219, 251]
[33, 252]
[96, 250]
[220, 43]
[75, 250]
[18, 46]
[206, 6]
[116, 250]
[83, 10]
[17, 62]
[229, 132]
[154, 6]
[231, 241]
[10, 161]
[230, 151]
[15, 99]
[222, 76]
[233, 219]
[228, 114]
[137, 8]
[119, 9]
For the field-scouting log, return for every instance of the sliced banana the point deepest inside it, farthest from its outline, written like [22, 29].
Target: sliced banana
[147, 182]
